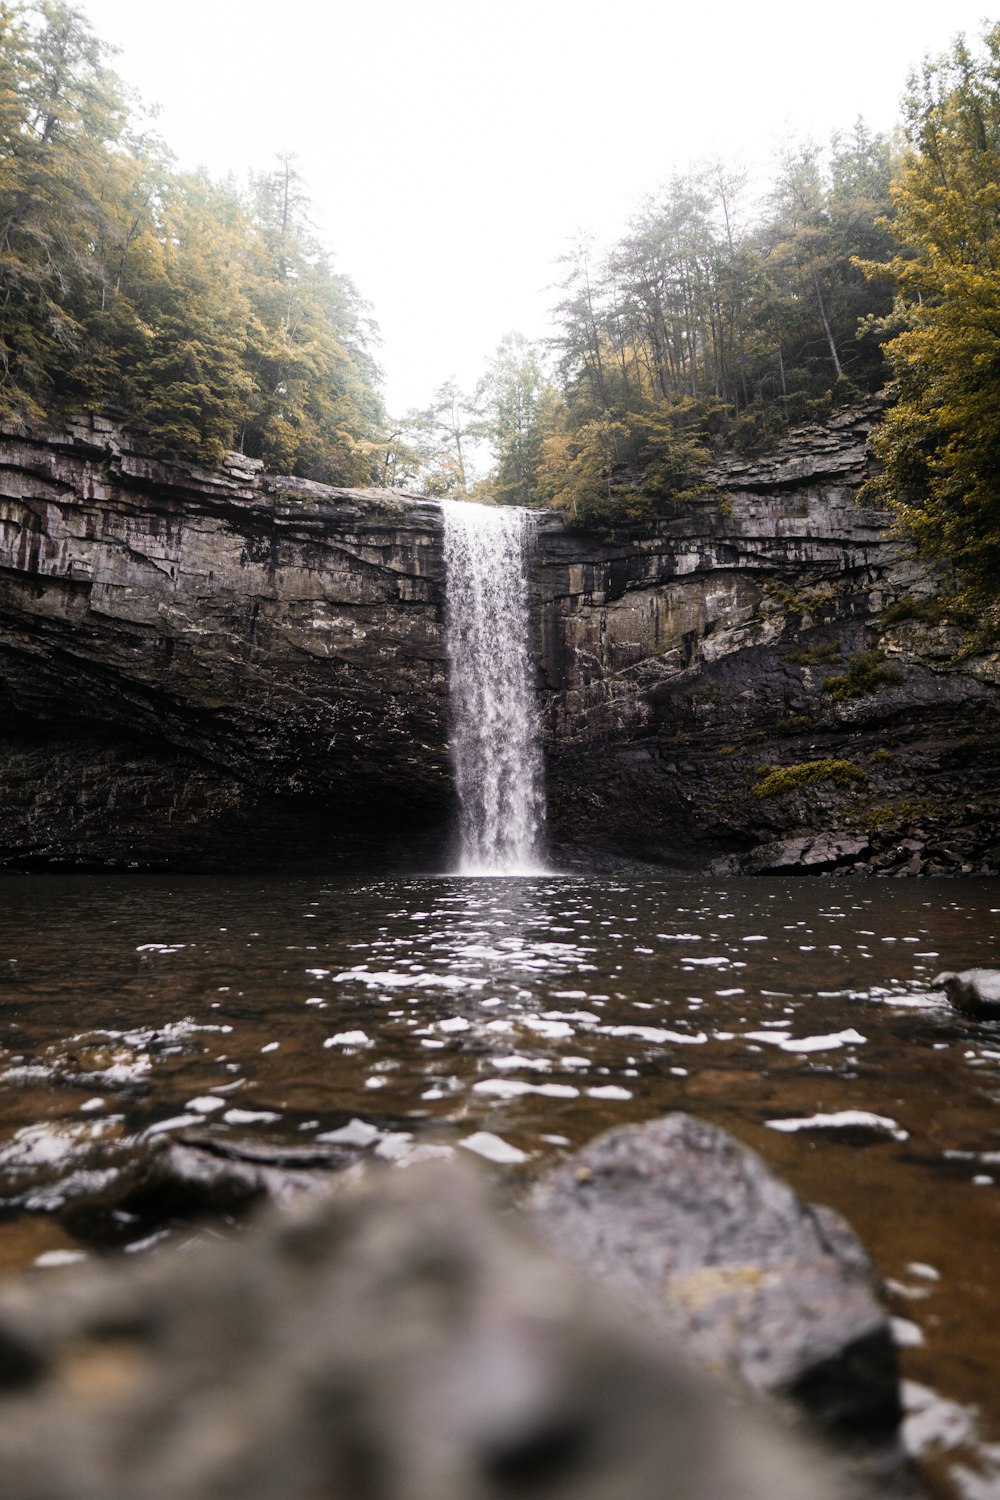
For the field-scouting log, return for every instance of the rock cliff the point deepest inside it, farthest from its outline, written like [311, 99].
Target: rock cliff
[221, 669]
[775, 623]
[212, 668]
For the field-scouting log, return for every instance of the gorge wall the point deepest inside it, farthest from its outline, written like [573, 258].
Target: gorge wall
[228, 669]
[213, 669]
[773, 623]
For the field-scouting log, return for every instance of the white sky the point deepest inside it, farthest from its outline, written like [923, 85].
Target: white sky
[451, 149]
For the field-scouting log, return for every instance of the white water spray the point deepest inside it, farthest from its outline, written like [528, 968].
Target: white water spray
[494, 733]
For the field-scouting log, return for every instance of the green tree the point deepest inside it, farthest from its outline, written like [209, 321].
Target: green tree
[314, 408]
[62, 115]
[940, 442]
[192, 387]
[199, 316]
[506, 402]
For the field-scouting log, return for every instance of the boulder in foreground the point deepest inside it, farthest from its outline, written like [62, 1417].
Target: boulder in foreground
[685, 1220]
[398, 1342]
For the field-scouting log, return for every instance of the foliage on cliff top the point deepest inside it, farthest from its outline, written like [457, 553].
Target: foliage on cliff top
[204, 317]
[705, 328]
[939, 443]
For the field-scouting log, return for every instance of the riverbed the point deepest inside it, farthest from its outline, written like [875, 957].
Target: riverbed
[510, 1020]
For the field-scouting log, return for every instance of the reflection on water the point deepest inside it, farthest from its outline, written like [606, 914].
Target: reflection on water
[514, 1019]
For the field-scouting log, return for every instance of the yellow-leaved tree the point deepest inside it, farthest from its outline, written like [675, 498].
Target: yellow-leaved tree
[940, 439]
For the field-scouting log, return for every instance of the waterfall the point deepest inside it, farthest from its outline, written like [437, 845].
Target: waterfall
[494, 733]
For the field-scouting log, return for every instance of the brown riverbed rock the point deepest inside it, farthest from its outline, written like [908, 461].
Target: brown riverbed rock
[688, 1222]
[399, 1342]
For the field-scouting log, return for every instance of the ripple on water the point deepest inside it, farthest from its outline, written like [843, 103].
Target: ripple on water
[429, 1016]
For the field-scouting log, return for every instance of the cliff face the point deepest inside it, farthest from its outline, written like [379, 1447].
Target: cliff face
[681, 667]
[221, 669]
[212, 668]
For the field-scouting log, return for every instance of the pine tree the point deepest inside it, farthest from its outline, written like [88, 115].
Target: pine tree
[61, 115]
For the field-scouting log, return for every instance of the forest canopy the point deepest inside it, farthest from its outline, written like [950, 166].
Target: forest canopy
[707, 326]
[207, 316]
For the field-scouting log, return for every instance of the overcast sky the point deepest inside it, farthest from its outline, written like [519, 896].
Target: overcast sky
[452, 147]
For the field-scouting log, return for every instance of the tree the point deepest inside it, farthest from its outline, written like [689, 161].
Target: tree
[442, 431]
[314, 408]
[824, 216]
[199, 316]
[192, 387]
[426, 450]
[506, 403]
[62, 115]
[940, 442]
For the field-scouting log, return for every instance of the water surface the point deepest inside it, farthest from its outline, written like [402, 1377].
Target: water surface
[516, 1018]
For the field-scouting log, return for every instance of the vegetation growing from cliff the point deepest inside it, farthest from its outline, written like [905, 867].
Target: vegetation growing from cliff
[866, 672]
[776, 781]
[940, 440]
[205, 317]
[707, 328]
[208, 317]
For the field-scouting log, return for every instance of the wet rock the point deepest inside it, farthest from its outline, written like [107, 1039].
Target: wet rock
[701, 1233]
[400, 1342]
[109, 1188]
[810, 855]
[976, 992]
[166, 1181]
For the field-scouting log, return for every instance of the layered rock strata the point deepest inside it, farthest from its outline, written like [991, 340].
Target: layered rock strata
[220, 669]
[776, 622]
[212, 668]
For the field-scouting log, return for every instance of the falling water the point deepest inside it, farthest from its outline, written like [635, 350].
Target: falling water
[494, 732]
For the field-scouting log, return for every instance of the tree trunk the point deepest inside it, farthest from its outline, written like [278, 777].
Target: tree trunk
[826, 326]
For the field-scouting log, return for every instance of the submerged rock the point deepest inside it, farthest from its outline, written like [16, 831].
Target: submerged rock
[974, 991]
[400, 1342]
[692, 1224]
[106, 1187]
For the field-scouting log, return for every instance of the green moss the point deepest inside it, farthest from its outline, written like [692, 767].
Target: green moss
[930, 611]
[865, 673]
[793, 724]
[776, 781]
[807, 601]
[879, 816]
[816, 657]
[880, 757]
